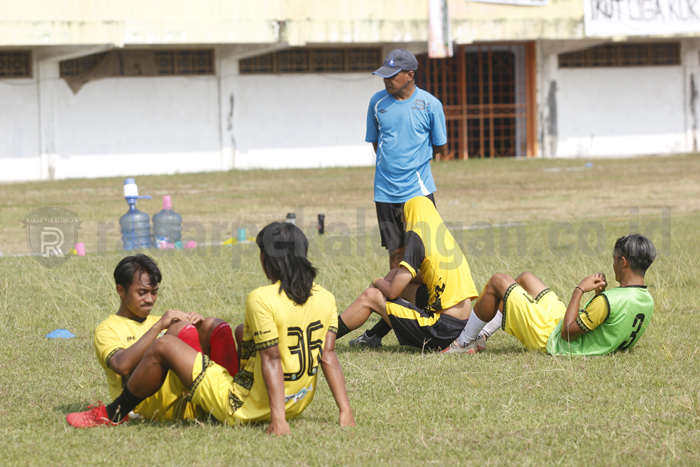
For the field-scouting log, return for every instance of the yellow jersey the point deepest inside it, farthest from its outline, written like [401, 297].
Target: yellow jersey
[114, 334]
[431, 249]
[271, 318]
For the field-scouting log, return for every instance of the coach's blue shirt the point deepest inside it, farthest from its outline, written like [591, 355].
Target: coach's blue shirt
[405, 133]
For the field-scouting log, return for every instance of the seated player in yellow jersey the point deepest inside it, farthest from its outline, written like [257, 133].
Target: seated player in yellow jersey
[427, 300]
[612, 320]
[290, 327]
[122, 339]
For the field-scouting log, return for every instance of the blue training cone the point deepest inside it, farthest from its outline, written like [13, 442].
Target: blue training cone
[60, 334]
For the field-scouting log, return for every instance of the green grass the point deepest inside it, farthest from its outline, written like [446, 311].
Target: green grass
[503, 407]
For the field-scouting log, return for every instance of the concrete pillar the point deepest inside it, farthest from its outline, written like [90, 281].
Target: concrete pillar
[690, 58]
[227, 70]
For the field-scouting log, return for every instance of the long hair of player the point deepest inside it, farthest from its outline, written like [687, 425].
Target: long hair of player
[285, 247]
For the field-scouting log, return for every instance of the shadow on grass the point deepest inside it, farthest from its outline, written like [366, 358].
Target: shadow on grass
[191, 423]
[404, 349]
[382, 349]
[65, 409]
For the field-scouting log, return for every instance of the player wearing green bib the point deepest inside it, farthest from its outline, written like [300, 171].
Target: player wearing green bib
[625, 312]
[612, 320]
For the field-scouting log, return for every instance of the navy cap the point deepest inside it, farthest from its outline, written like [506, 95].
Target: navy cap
[397, 60]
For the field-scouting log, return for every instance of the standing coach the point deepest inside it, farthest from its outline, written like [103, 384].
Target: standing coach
[406, 126]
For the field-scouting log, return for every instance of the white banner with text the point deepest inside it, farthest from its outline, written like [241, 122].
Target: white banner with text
[606, 18]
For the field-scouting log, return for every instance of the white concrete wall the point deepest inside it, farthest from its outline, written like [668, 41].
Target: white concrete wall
[112, 127]
[309, 120]
[19, 128]
[598, 112]
[137, 126]
[152, 125]
[122, 126]
[620, 111]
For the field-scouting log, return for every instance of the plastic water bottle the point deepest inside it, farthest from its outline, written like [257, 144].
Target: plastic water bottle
[135, 225]
[167, 225]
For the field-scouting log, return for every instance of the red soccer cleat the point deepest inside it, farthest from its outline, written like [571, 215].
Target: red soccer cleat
[96, 416]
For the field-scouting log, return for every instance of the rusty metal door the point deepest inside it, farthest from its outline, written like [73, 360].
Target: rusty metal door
[487, 92]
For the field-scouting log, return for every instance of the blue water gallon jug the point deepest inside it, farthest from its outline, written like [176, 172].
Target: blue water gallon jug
[167, 225]
[135, 225]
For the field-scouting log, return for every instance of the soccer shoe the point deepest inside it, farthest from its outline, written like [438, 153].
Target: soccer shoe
[471, 348]
[480, 343]
[365, 341]
[456, 348]
[96, 416]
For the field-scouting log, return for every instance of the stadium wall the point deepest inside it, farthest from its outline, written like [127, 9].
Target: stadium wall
[303, 120]
[19, 129]
[160, 125]
[604, 112]
[113, 126]
[156, 125]
[622, 112]
[138, 125]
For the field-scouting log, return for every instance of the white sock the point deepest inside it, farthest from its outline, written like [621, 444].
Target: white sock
[471, 330]
[493, 325]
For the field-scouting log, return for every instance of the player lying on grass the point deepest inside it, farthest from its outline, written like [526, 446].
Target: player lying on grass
[122, 339]
[289, 329]
[427, 300]
[612, 320]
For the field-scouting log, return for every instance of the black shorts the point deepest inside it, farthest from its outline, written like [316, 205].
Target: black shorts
[420, 328]
[391, 228]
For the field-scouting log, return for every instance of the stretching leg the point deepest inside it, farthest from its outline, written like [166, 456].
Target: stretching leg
[165, 354]
[486, 308]
[531, 283]
[492, 297]
[370, 300]
[382, 328]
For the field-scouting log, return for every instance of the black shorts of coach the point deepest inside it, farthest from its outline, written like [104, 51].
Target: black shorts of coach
[391, 228]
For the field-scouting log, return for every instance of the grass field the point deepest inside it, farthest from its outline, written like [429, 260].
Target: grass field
[506, 406]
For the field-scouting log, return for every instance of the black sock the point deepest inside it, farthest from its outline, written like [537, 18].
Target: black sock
[122, 405]
[380, 329]
[342, 328]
